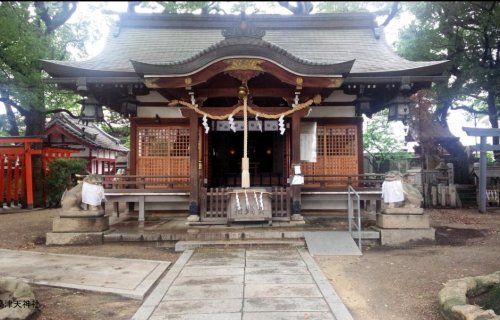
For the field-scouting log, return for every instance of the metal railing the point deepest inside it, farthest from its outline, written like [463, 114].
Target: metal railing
[353, 195]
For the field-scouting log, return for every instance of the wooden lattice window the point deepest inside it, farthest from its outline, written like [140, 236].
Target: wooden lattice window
[163, 151]
[337, 154]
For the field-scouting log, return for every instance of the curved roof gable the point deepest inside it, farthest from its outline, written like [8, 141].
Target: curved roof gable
[243, 41]
[313, 40]
[90, 134]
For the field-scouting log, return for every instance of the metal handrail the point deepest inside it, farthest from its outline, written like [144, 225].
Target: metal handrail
[350, 212]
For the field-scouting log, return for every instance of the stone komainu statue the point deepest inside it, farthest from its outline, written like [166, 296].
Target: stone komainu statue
[410, 197]
[72, 202]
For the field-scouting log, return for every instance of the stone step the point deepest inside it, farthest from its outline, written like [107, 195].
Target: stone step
[403, 221]
[393, 237]
[222, 235]
[187, 245]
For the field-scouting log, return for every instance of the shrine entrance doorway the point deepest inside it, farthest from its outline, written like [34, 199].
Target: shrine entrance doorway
[266, 151]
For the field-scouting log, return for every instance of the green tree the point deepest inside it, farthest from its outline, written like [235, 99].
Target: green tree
[380, 144]
[467, 34]
[29, 32]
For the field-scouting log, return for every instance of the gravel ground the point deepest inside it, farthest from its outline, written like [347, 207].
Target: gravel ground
[403, 283]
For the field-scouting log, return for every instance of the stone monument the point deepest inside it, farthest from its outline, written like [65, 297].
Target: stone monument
[402, 218]
[81, 219]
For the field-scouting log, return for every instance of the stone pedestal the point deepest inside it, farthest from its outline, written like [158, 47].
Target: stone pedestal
[400, 225]
[68, 229]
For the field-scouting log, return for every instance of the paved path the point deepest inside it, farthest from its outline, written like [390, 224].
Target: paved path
[331, 243]
[127, 277]
[244, 284]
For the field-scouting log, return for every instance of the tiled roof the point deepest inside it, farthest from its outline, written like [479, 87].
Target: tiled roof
[88, 133]
[156, 44]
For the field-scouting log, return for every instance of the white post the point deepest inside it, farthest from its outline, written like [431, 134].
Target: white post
[482, 175]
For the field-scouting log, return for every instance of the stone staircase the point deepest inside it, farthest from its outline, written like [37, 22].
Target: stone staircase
[467, 195]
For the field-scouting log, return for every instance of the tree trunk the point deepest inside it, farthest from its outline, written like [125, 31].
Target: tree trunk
[493, 116]
[11, 118]
[35, 122]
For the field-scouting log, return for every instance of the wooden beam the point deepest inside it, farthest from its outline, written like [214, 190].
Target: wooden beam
[390, 79]
[111, 80]
[20, 139]
[284, 75]
[254, 92]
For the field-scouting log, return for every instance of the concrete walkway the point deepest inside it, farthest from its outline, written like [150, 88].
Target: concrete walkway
[244, 284]
[131, 278]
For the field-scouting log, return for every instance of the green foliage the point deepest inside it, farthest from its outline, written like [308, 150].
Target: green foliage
[204, 7]
[352, 6]
[466, 33]
[60, 176]
[31, 32]
[380, 143]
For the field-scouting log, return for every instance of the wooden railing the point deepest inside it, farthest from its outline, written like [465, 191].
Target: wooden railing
[367, 180]
[145, 182]
[214, 201]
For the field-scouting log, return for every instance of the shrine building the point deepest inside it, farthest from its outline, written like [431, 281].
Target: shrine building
[188, 82]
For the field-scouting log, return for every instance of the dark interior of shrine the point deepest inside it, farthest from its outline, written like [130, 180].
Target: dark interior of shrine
[265, 150]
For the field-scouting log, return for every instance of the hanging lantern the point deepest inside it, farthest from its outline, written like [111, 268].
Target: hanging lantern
[399, 108]
[91, 110]
[363, 104]
[129, 107]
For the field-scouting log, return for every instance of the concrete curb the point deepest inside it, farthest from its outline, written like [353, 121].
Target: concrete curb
[338, 308]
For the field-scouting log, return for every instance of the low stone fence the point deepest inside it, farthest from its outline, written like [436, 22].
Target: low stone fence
[453, 298]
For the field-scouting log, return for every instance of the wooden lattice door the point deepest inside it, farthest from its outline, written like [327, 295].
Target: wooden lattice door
[337, 154]
[163, 151]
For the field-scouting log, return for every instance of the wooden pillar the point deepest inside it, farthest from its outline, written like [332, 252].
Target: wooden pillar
[296, 190]
[89, 164]
[16, 181]
[194, 207]
[2, 173]
[132, 160]
[482, 175]
[29, 175]
[8, 192]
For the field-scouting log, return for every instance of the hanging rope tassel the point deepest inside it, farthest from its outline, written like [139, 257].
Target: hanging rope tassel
[245, 162]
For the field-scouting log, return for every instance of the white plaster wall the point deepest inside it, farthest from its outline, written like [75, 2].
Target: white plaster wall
[162, 112]
[331, 111]
[153, 96]
[340, 96]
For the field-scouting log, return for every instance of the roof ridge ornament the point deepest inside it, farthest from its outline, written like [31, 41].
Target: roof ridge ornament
[243, 29]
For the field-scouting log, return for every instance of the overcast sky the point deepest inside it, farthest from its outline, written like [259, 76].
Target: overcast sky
[89, 11]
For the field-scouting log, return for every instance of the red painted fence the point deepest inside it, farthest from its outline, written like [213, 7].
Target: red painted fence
[16, 176]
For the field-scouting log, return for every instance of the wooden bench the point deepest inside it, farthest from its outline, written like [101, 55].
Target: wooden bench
[144, 189]
[140, 196]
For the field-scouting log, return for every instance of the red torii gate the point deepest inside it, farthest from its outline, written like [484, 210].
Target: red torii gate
[16, 176]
